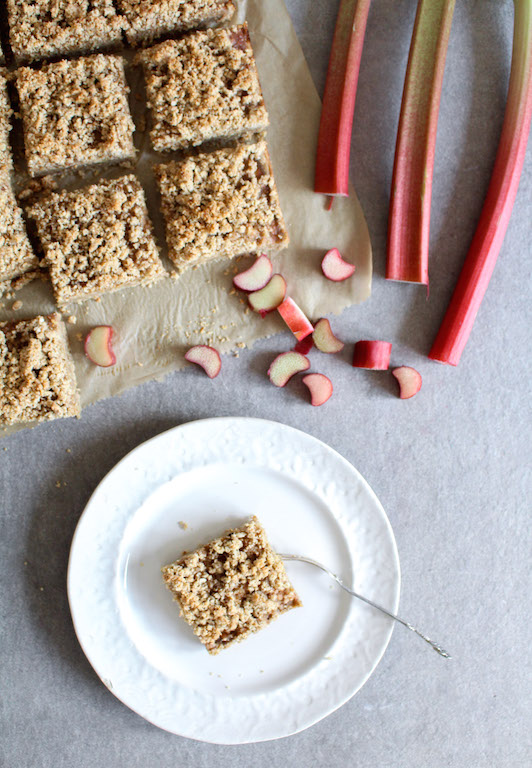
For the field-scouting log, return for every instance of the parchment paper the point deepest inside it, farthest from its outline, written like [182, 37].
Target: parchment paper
[154, 325]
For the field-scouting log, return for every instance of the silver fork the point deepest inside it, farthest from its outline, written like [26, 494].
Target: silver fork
[352, 592]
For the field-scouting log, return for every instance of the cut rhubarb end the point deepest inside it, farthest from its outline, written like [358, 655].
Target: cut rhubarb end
[286, 365]
[373, 355]
[256, 277]
[324, 339]
[334, 140]
[320, 387]
[409, 381]
[207, 358]
[295, 319]
[268, 298]
[491, 229]
[409, 219]
[304, 346]
[335, 268]
[98, 346]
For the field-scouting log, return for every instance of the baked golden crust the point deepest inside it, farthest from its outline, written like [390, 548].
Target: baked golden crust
[37, 379]
[97, 240]
[231, 587]
[203, 87]
[75, 114]
[150, 19]
[43, 29]
[221, 204]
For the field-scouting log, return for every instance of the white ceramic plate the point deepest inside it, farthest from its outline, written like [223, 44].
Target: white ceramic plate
[211, 475]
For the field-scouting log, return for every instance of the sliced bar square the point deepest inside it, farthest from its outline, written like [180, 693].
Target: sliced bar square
[75, 114]
[221, 204]
[150, 19]
[42, 29]
[231, 587]
[37, 378]
[203, 87]
[97, 240]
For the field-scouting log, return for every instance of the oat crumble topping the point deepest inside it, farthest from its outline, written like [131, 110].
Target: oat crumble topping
[150, 19]
[6, 162]
[37, 380]
[97, 240]
[231, 587]
[220, 205]
[75, 114]
[203, 87]
[41, 29]
[16, 254]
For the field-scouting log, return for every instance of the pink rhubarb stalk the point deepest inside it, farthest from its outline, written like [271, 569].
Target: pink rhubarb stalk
[480, 261]
[334, 140]
[409, 218]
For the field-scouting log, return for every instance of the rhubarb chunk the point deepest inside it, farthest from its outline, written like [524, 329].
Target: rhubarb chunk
[373, 355]
[409, 381]
[256, 277]
[269, 297]
[335, 268]
[324, 339]
[285, 366]
[320, 387]
[98, 346]
[207, 358]
[295, 319]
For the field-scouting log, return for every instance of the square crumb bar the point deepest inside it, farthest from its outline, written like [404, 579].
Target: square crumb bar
[41, 29]
[97, 240]
[37, 379]
[6, 162]
[150, 19]
[16, 254]
[220, 205]
[202, 87]
[75, 113]
[231, 587]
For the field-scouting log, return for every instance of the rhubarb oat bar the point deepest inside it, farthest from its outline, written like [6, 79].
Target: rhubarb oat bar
[6, 162]
[97, 240]
[41, 29]
[75, 113]
[203, 87]
[16, 254]
[150, 19]
[220, 205]
[231, 587]
[37, 379]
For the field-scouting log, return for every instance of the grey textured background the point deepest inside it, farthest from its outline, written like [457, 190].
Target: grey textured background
[452, 468]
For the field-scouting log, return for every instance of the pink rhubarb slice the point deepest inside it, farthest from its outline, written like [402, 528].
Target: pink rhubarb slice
[320, 387]
[409, 381]
[324, 339]
[207, 358]
[335, 268]
[268, 298]
[295, 319]
[373, 355]
[286, 365]
[98, 346]
[256, 277]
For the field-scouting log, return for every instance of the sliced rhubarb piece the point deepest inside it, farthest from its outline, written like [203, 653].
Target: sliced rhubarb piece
[409, 219]
[304, 346]
[256, 277]
[374, 355]
[98, 346]
[335, 268]
[295, 319]
[324, 338]
[268, 298]
[285, 366]
[409, 381]
[207, 358]
[334, 140]
[320, 387]
[491, 229]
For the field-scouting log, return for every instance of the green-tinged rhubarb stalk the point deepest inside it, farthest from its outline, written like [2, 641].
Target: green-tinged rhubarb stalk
[409, 218]
[334, 141]
[480, 261]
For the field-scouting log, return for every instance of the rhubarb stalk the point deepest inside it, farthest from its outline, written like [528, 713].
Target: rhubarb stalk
[480, 261]
[409, 219]
[334, 140]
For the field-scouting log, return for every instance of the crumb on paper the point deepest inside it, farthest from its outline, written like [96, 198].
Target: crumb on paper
[183, 525]
[72, 319]
[17, 305]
